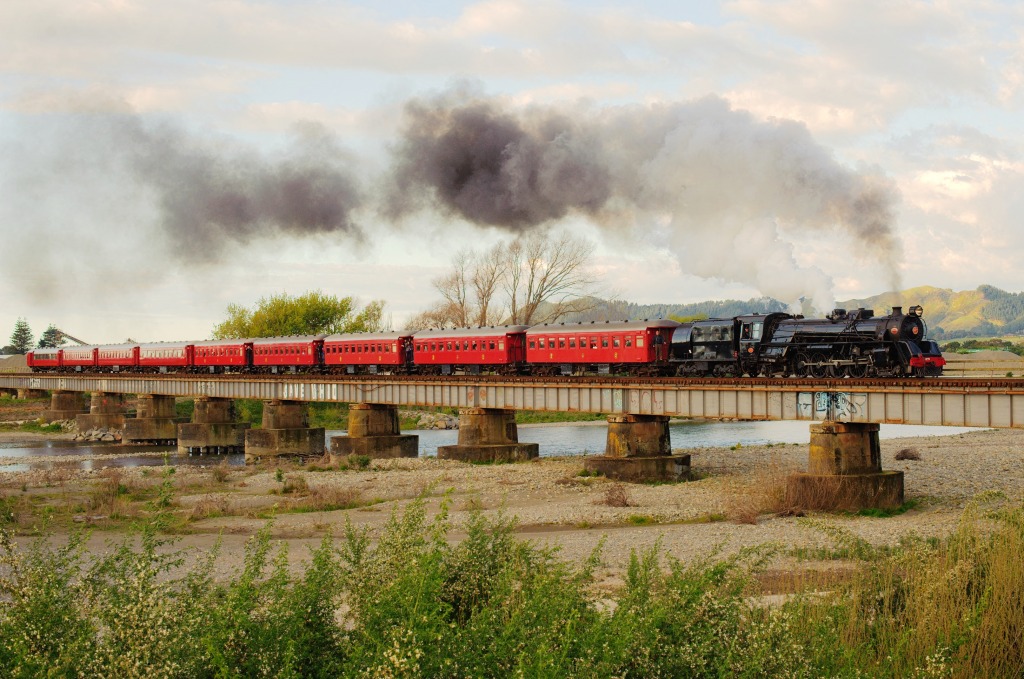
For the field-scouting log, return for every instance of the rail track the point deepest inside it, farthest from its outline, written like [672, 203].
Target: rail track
[933, 384]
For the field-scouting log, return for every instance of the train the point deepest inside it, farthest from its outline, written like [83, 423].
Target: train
[843, 344]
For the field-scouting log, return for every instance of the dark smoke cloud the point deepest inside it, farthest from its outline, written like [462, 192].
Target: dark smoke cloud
[491, 167]
[210, 193]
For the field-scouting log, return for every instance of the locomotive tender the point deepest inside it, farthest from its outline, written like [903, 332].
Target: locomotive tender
[844, 344]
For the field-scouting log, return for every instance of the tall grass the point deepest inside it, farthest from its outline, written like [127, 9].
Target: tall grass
[407, 602]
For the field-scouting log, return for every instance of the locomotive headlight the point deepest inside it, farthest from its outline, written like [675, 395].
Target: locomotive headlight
[915, 330]
[895, 331]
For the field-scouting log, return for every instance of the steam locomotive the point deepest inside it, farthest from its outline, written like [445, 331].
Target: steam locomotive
[844, 344]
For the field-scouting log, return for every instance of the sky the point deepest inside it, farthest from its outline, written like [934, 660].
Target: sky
[161, 160]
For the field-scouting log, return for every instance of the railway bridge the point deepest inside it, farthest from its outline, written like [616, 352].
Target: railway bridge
[844, 467]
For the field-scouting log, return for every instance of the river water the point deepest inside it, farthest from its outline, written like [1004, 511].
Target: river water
[554, 440]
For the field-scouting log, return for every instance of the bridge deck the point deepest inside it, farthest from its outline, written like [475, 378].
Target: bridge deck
[953, 402]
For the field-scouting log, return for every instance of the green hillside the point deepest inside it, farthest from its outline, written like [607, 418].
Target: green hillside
[986, 311]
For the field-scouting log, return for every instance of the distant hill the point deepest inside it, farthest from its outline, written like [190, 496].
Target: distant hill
[618, 310]
[985, 312]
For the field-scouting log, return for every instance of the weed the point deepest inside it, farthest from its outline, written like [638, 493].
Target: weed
[616, 495]
[908, 454]
[209, 506]
[279, 475]
[295, 484]
[641, 519]
[881, 513]
[220, 473]
[41, 428]
[357, 462]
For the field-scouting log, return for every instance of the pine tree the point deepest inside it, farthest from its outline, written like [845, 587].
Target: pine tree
[21, 339]
[51, 337]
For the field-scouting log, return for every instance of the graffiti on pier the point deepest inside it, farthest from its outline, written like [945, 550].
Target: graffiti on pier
[837, 406]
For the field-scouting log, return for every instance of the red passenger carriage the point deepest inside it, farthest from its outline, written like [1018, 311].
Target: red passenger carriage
[371, 352]
[296, 353]
[43, 360]
[474, 350]
[229, 355]
[78, 359]
[639, 347]
[117, 357]
[165, 356]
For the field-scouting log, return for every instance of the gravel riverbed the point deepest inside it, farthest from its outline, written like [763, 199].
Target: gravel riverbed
[727, 506]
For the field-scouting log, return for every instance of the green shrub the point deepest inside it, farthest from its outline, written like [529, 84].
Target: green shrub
[405, 601]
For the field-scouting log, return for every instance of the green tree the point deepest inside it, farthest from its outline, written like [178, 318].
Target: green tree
[51, 337]
[21, 338]
[310, 314]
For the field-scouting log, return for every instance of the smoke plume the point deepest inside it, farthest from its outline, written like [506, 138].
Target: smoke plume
[731, 195]
[212, 193]
[731, 187]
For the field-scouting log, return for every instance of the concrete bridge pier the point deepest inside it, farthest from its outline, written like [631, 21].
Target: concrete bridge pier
[488, 435]
[213, 428]
[106, 411]
[286, 432]
[639, 448]
[65, 405]
[373, 431]
[844, 471]
[154, 423]
[31, 393]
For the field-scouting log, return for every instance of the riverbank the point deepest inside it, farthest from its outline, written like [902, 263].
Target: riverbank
[732, 503]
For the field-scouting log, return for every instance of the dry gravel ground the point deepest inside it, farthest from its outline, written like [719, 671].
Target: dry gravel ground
[730, 505]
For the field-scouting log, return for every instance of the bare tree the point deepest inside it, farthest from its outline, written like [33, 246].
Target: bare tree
[487, 275]
[530, 280]
[454, 289]
[547, 278]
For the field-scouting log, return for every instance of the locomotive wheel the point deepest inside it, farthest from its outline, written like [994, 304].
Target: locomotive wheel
[801, 365]
[858, 370]
[820, 370]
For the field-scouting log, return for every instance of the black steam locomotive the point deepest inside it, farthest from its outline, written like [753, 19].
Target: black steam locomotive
[843, 344]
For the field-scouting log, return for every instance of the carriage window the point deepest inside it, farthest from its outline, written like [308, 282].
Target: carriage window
[533, 344]
[604, 342]
[640, 342]
[561, 343]
[492, 344]
[593, 343]
[629, 341]
[542, 343]
[501, 345]
[756, 331]
[616, 342]
[572, 342]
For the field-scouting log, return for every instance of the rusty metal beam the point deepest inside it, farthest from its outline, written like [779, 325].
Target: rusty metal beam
[947, 402]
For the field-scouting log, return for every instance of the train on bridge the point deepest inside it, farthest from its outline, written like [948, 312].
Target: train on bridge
[843, 344]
